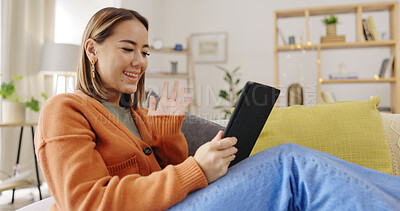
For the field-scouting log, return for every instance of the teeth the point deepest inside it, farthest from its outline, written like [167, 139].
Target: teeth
[131, 74]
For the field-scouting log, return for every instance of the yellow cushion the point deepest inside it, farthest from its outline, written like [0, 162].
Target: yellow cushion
[351, 130]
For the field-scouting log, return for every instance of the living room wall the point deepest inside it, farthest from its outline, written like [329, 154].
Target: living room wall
[249, 25]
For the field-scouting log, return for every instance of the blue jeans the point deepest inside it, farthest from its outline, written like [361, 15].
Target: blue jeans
[291, 177]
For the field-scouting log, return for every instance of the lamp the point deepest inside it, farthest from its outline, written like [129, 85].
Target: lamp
[59, 60]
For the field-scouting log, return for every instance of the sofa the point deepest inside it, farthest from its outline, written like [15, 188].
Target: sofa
[340, 115]
[354, 131]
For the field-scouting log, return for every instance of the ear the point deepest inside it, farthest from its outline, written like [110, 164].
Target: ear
[90, 49]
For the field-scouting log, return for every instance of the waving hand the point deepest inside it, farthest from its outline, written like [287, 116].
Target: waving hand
[175, 105]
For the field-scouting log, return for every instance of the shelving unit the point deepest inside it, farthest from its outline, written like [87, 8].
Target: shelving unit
[188, 75]
[358, 10]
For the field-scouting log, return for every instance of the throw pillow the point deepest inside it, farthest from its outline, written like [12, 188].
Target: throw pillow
[352, 131]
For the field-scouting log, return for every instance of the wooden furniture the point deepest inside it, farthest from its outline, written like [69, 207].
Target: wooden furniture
[188, 75]
[358, 10]
[16, 184]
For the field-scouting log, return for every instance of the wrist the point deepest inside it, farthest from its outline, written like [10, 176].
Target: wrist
[166, 124]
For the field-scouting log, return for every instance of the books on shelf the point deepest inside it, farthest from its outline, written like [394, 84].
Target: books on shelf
[328, 97]
[281, 36]
[343, 75]
[366, 30]
[333, 39]
[369, 29]
[386, 67]
[371, 23]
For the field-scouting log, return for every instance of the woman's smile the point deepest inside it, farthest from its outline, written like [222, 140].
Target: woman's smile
[133, 77]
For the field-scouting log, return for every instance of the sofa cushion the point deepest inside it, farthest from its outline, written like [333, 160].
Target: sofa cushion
[198, 131]
[351, 130]
[391, 123]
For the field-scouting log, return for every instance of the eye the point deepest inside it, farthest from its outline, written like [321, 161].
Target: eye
[127, 49]
[145, 54]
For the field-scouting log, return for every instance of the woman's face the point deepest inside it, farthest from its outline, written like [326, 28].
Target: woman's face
[122, 57]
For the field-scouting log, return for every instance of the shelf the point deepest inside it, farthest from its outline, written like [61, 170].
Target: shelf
[376, 7]
[185, 74]
[367, 44]
[296, 47]
[382, 80]
[167, 75]
[359, 11]
[168, 50]
[345, 9]
[358, 44]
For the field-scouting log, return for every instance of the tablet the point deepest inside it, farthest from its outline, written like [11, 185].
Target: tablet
[251, 112]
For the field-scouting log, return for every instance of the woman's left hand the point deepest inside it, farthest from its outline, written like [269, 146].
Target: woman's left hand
[172, 105]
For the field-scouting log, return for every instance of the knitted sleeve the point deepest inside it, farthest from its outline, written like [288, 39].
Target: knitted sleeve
[168, 141]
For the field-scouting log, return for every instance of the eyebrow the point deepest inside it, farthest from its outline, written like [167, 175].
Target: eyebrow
[134, 43]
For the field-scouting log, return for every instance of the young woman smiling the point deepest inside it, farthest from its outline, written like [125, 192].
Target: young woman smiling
[99, 150]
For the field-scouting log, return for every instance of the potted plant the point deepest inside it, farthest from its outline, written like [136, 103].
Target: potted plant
[330, 25]
[233, 93]
[13, 108]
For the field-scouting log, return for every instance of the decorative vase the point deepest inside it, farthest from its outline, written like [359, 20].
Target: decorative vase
[174, 68]
[295, 95]
[331, 29]
[12, 112]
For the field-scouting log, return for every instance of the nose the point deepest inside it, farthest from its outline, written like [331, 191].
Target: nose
[138, 60]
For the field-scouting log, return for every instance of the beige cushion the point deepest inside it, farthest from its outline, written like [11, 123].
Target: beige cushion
[391, 123]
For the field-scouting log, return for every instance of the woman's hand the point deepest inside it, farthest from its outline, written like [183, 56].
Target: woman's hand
[172, 105]
[215, 156]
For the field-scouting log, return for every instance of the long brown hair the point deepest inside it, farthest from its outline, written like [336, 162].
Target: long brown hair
[99, 27]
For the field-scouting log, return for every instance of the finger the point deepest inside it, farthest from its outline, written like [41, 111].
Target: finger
[187, 101]
[227, 142]
[228, 152]
[152, 104]
[218, 136]
[229, 159]
[164, 93]
[181, 95]
[174, 92]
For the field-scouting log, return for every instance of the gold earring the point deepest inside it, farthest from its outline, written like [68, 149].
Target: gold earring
[93, 67]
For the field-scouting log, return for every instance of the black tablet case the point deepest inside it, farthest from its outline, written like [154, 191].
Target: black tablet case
[251, 112]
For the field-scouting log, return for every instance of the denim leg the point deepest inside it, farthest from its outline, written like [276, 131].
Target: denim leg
[291, 177]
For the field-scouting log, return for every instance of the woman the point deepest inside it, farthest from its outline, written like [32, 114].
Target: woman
[93, 156]
[100, 151]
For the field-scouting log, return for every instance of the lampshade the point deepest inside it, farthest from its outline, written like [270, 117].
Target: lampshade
[59, 58]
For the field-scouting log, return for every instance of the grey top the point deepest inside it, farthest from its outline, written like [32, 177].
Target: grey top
[124, 115]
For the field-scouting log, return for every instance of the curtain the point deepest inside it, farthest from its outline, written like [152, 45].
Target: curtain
[25, 26]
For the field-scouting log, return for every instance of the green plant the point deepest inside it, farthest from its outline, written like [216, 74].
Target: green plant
[331, 20]
[233, 92]
[9, 91]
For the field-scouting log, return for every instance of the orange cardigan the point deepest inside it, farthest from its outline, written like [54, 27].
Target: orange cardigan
[91, 161]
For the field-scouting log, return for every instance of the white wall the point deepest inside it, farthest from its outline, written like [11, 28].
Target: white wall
[71, 17]
[249, 25]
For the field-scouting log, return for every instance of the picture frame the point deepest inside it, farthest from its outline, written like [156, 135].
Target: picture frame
[209, 47]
